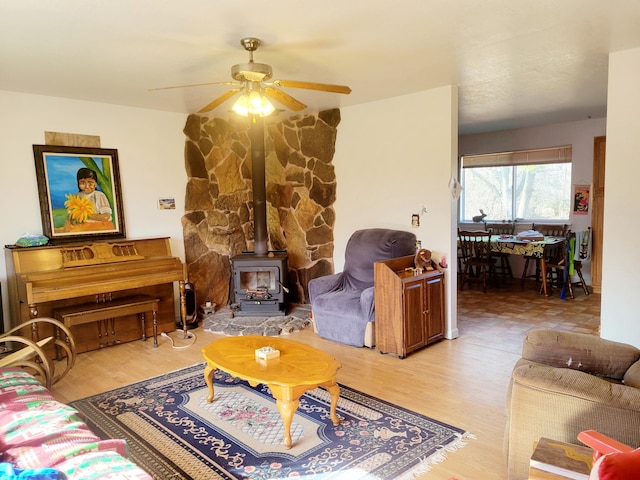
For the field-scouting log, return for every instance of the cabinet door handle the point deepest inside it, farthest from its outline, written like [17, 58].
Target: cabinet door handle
[426, 312]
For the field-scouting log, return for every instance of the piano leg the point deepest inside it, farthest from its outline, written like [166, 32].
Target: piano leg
[155, 329]
[142, 320]
[99, 324]
[114, 340]
[33, 313]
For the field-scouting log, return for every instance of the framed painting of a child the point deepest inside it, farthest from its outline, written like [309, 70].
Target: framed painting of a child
[79, 192]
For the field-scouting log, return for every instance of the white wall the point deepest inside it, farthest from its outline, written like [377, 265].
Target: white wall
[392, 157]
[150, 148]
[621, 256]
[579, 134]
[388, 165]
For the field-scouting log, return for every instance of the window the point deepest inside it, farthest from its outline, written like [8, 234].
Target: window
[525, 185]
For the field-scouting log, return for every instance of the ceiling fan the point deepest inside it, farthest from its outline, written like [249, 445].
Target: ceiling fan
[253, 80]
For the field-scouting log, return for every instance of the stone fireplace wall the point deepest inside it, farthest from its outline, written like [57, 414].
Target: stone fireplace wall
[301, 190]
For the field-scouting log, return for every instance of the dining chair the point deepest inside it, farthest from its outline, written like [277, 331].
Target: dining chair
[548, 230]
[478, 259]
[576, 261]
[556, 260]
[560, 259]
[502, 265]
[461, 263]
[580, 249]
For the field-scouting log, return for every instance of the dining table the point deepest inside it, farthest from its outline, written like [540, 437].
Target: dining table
[515, 245]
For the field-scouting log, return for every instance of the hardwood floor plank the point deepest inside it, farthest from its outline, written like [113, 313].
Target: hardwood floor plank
[462, 382]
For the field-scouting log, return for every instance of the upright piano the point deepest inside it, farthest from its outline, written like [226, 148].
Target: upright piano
[43, 280]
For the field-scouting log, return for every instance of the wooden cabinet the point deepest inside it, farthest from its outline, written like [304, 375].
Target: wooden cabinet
[409, 307]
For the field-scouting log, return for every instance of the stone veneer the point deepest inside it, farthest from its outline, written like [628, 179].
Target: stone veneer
[301, 190]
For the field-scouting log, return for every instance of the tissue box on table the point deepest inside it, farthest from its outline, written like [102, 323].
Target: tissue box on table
[267, 353]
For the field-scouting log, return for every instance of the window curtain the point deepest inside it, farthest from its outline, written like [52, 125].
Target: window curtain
[521, 157]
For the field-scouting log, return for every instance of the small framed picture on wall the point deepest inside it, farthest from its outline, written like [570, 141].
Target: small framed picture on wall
[581, 199]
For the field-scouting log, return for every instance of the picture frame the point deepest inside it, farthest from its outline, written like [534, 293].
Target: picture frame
[79, 193]
[167, 203]
[581, 199]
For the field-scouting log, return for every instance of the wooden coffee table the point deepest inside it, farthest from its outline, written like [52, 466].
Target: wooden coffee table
[298, 369]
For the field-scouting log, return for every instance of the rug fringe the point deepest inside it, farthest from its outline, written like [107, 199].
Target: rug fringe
[439, 456]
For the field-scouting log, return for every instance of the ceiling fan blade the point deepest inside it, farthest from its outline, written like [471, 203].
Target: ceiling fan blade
[284, 98]
[193, 85]
[220, 100]
[325, 87]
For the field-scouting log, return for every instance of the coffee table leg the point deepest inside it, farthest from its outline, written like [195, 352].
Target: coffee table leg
[287, 409]
[208, 378]
[334, 391]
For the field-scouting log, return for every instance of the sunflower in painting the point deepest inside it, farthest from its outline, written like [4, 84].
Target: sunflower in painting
[79, 208]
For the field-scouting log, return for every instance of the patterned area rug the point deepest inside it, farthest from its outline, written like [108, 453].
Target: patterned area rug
[224, 321]
[173, 432]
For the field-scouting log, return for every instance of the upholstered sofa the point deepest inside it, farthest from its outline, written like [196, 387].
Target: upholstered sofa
[568, 382]
[37, 432]
[342, 304]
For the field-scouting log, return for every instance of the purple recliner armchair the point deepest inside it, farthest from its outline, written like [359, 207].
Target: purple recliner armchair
[343, 303]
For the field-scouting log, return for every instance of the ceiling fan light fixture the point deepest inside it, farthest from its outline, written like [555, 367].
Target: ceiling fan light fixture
[251, 82]
[253, 102]
[252, 72]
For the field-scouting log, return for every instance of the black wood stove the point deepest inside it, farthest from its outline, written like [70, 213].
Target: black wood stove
[259, 277]
[258, 283]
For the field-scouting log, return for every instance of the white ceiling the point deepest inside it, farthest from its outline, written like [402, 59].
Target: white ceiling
[516, 62]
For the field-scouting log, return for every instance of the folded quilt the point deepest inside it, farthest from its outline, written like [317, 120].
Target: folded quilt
[36, 431]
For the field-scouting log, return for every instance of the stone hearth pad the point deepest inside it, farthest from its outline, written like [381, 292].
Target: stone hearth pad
[223, 321]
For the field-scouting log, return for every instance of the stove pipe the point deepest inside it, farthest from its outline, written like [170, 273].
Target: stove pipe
[258, 179]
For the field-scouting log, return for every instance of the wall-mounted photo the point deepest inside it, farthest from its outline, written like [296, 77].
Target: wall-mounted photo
[581, 199]
[167, 203]
[79, 191]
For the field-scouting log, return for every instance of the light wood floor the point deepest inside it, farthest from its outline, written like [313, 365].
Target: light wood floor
[462, 382]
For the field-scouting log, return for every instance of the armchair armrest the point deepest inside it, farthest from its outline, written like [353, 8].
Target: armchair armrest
[602, 444]
[570, 386]
[611, 459]
[578, 351]
[32, 354]
[367, 304]
[29, 354]
[30, 348]
[320, 285]
[559, 403]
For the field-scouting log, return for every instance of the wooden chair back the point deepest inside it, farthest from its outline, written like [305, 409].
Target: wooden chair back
[478, 262]
[502, 228]
[502, 266]
[551, 230]
[475, 244]
[556, 254]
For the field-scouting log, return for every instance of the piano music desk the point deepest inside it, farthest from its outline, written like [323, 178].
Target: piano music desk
[103, 311]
